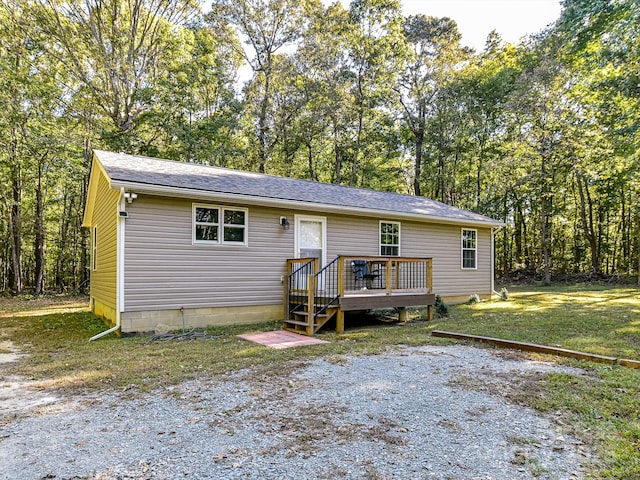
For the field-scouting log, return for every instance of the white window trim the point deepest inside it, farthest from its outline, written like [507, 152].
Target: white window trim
[221, 224]
[462, 249]
[380, 235]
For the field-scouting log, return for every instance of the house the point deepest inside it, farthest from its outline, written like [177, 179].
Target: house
[178, 243]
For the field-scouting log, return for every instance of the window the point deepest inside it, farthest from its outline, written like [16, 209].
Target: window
[94, 249]
[212, 224]
[389, 239]
[469, 249]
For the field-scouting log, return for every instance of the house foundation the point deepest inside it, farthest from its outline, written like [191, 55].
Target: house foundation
[174, 319]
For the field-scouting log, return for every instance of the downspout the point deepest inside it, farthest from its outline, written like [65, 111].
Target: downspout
[493, 258]
[119, 268]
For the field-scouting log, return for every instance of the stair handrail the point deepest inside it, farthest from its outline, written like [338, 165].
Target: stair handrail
[287, 283]
[318, 309]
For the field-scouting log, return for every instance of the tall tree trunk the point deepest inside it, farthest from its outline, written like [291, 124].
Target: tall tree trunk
[312, 173]
[638, 252]
[586, 214]
[263, 147]
[15, 217]
[39, 233]
[518, 233]
[440, 182]
[84, 250]
[479, 172]
[356, 153]
[545, 240]
[418, 166]
[338, 154]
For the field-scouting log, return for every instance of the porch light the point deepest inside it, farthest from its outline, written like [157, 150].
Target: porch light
[285, 223]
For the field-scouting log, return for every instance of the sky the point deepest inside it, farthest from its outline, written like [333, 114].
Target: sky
[513, 19]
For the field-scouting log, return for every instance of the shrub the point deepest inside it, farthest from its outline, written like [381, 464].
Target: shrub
[442, 309]
[473, 298]
[504, 294]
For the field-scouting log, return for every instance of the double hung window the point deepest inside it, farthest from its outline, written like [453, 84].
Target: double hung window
[221, 225]
[389, 239]
[469, 249]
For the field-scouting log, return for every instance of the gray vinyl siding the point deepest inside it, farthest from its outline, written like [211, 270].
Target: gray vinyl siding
[103, 278]
[348, 235]
[165, 270]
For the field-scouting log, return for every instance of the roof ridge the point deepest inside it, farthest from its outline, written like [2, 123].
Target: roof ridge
[281, 177]
[149, 171]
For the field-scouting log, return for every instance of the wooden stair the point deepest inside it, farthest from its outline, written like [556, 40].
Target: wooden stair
[302, 321]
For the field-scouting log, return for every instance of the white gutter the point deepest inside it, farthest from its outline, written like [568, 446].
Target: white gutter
[285, 203]
[119, 268]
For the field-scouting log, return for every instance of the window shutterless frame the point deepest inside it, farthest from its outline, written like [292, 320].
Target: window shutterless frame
[389, 238]
[219, 225]
[469, 249]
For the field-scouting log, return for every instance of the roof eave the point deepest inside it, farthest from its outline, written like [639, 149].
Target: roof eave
[166, 191]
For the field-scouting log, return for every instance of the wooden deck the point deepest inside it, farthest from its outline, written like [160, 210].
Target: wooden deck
[313, 297]
[368, 301]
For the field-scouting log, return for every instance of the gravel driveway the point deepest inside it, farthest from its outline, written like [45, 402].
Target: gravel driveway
[407, 414]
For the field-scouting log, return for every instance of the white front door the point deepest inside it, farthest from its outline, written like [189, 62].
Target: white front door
[311, 238]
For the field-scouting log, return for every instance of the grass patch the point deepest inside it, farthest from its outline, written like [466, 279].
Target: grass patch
[601, 407]
[604, 321]
[55, 334]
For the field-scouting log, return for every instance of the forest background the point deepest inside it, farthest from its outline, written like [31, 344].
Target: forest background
[542, 135]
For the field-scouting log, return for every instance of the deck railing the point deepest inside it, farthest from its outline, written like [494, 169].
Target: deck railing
[353, 283]
[385, 275]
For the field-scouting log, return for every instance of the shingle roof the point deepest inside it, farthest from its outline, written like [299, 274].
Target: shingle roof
[156, 174]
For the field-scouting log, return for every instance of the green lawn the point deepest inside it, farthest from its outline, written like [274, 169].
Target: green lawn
[600, 320]
[601, 407]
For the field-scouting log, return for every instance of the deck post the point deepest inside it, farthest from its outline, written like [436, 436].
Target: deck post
[311, 307]
[402, 315]
[429, 287]
[340, 313]
[340, 321]
[388, 276]
[286, 296]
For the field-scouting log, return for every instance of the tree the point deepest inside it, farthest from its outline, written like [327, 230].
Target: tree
[114, 49]
[375, 51]
[32, 108]
[266, 26]
[541, 119]
[195, 114]
[435, 52]
[602, 44]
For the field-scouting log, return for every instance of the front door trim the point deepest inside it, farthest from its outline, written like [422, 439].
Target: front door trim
[296, 235]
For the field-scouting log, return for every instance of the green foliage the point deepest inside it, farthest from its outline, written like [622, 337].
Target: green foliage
[542, 135]
[441, 308]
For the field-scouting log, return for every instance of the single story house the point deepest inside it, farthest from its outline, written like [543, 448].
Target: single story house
[178, 243]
